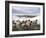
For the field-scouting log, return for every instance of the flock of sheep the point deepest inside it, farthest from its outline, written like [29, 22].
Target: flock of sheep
[24, 25]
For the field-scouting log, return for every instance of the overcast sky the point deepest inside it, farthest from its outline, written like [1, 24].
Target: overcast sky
[25, 10]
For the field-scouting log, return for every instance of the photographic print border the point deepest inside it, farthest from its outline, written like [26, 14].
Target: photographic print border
[7, 18]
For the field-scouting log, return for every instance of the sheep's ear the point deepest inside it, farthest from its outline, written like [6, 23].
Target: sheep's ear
[15, 23]
[21, 23]
[30, 23]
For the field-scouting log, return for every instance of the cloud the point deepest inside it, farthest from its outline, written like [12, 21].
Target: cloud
[26, 10]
